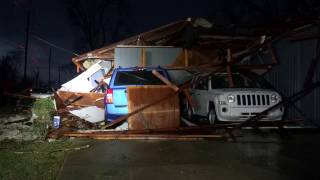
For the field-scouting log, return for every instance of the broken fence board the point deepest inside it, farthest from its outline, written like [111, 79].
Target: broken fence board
[87, 99]
[165, 114]
[123, 118]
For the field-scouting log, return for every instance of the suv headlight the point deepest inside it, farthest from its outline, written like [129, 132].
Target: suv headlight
[231, 98]
[274, 98]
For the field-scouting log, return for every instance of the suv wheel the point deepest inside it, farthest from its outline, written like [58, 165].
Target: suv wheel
[212, 116]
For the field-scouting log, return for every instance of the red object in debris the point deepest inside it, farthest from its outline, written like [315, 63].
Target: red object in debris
[109, 96]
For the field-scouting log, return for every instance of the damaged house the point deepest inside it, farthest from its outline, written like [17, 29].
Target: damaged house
[184, 48]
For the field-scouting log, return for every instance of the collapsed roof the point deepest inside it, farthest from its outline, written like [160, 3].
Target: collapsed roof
[199, 33]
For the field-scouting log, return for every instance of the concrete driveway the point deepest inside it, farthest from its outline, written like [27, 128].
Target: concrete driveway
[255, 157]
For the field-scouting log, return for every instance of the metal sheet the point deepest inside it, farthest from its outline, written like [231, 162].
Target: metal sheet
[91, 114]
[155, 56]
[288, 77]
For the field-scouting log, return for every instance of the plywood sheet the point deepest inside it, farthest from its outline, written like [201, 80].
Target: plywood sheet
[162, 115]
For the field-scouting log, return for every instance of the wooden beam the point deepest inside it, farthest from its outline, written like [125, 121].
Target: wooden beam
[147, 136]
[229, 60]
[218, 37]
[165, 80]
[174, 87]
[254, 66]
[186, 58]
[143, 57]
[78, 68]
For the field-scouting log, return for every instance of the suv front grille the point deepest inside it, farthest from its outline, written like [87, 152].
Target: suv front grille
[253, 100]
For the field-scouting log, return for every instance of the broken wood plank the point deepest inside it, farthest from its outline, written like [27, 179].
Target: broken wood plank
[189, 97]
[148, 136]
[220, 37]
[87, 99]
[165, 80]
[72, 99]
[162, 115]
[143, 57]
[229, 60]
[186, 58]
[123, 118]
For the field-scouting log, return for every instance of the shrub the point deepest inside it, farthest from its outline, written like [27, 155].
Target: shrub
[44, 111]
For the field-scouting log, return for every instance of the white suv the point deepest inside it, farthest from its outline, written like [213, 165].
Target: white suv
[215, 100]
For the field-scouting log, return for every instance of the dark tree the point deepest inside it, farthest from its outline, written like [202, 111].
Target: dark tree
[8, 71]
[100, 21]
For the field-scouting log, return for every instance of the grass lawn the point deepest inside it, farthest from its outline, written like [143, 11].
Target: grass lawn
[32, 160]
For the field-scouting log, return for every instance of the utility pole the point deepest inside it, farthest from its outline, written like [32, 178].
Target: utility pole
[27, 43]
[49, 72]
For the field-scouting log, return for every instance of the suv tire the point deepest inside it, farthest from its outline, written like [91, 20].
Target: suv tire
[212, 117]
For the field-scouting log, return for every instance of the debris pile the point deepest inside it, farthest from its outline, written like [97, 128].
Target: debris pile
[194, 47]
[79, 102]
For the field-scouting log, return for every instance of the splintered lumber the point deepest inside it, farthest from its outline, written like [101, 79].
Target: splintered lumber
[230, 78]
[119, 136]
[156, 137]
[174, 87]
[165, 80]
[87, 99]
[143, 57]
[73, 98]
[186, 58]
[162, 115]
[59, 102]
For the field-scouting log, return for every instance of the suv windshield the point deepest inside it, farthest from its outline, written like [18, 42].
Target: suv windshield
[136, 78]
[239, 80]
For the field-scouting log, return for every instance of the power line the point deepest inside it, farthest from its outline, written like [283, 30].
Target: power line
[53, 45]
[37, 37]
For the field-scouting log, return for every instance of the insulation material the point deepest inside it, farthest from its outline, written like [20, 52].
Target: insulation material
[165, 114]
[91, 114]
[85, 99]
[86, 81]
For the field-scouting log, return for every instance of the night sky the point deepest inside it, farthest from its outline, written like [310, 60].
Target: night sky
[49, 20]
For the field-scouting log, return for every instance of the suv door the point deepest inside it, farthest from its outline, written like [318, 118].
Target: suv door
[200, 96]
